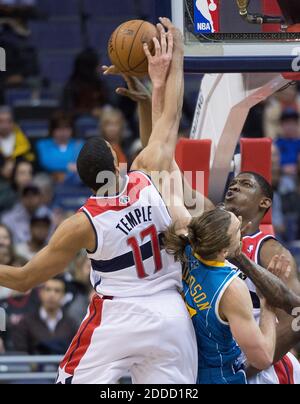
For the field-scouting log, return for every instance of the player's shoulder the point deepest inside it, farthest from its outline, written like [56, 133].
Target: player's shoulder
[79, 222]
[237, 289]
[269, 248]
[236, 295]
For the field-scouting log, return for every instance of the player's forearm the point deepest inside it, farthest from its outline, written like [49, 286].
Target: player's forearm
[173, 101]
[195, 202]
[273, 289]
[13, 278]
[150, 112]
[268, 329]
[145, 121]
[287, 337]
[158, 98]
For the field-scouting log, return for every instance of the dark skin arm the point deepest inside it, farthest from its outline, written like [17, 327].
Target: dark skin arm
[273, 247]
[273, 289]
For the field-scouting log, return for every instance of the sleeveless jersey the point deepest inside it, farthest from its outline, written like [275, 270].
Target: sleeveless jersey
[129, 259]
[251, 247]
[204, 284]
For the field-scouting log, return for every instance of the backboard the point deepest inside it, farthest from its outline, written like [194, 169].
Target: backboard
[239, 35]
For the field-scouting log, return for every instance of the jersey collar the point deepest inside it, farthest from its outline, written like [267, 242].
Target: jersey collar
[217, 264]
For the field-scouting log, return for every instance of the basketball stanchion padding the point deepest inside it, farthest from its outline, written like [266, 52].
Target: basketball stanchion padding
[194, 156]
[291, 76]
[256, 156]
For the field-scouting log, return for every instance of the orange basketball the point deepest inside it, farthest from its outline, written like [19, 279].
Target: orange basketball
[125, 47]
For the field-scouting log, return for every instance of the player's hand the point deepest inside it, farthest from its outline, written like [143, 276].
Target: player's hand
[280, 266]
[177, 34]
[160, 63]
[135, 90]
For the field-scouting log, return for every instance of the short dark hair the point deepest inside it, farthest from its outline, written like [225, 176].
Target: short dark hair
[94, 158]
[265, 186]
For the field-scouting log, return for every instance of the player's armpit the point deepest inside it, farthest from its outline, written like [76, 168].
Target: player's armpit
[236, 307]
[72, 236]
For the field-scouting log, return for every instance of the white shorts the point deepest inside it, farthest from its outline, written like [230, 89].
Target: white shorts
[287, 371]
[151, 337]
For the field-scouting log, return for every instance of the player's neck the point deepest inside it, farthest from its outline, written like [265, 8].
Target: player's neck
[115, 189]
[252, 228]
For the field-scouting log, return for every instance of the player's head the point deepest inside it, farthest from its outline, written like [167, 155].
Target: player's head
[213, 235]
[96, 163]
[249, 195]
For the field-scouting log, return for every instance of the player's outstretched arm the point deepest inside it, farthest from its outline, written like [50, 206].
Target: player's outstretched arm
[257, 342]
[72, 236]
[273, 289]
[159, 153]
[137, 92]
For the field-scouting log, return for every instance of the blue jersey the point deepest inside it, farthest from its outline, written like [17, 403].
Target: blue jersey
[219, 355]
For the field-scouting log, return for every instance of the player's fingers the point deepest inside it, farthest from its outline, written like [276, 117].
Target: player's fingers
[163, 38]
[279, 266]
[147, 52]
[273, 263]
[129, 81]
[285, 266]
[157, 47]
[288, 272]
[133, 95]
[166, 22]
[170, 44]
[124, 92]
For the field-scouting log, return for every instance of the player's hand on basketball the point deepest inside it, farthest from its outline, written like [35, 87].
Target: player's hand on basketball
[280, 266]
[159, 64]
[135, 90]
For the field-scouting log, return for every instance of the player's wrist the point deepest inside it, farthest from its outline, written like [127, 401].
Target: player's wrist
[158, 85]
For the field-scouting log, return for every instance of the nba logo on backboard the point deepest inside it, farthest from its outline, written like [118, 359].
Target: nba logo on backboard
[206, 16]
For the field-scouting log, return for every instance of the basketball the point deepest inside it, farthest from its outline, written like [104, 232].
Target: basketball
[126, 50]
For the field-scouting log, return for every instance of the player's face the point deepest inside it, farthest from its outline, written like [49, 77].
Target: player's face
[243, 196]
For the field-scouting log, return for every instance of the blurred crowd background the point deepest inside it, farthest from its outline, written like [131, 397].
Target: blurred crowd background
[53, 97]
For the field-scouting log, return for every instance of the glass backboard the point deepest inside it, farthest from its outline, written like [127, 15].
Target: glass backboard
[239, 35]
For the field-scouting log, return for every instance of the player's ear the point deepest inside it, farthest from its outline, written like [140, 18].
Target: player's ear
[224, 253]
[265, 203]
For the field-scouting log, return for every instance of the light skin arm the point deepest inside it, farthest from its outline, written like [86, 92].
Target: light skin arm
[71, 236]
[138, 93]
[158, 155]
[257, 342]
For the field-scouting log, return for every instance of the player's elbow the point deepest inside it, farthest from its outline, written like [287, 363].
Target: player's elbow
[22, 284]
[262, 360]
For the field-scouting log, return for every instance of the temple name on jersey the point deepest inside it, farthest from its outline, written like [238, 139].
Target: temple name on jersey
[134, 219]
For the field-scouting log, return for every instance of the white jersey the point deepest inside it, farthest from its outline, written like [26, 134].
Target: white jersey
[129, 259]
